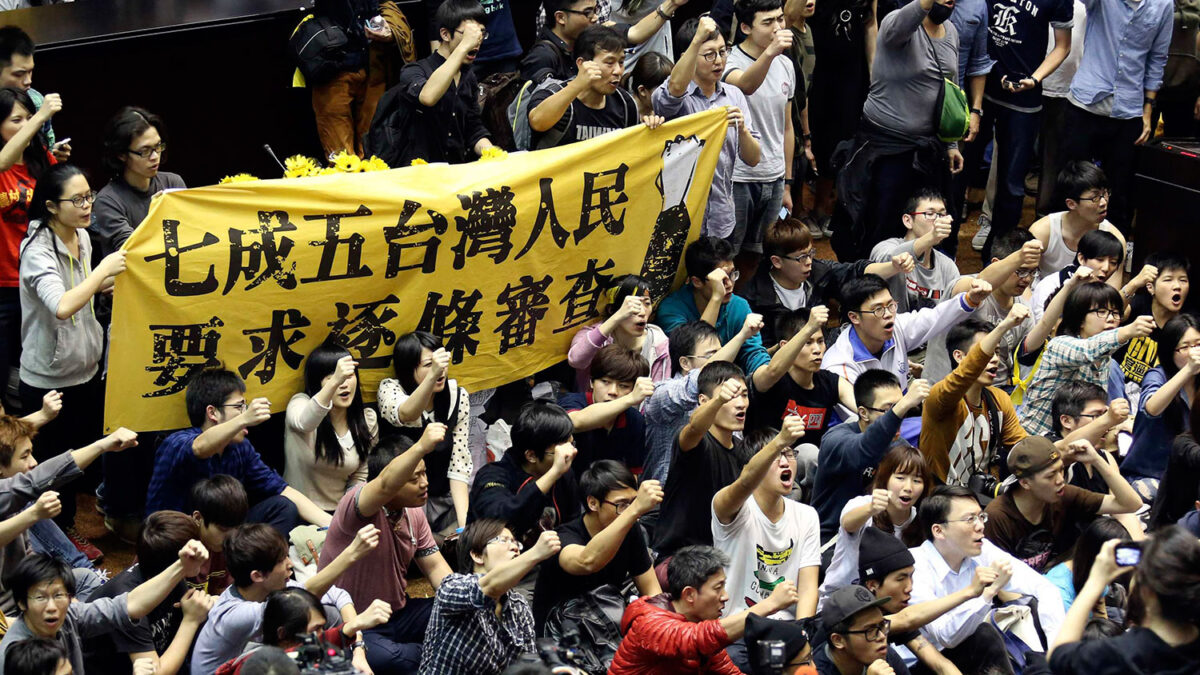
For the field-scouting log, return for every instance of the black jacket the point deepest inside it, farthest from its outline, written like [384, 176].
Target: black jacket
[827, 278]
[503, 490]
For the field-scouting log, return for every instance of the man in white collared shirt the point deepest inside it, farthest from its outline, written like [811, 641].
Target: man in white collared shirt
[954, 546]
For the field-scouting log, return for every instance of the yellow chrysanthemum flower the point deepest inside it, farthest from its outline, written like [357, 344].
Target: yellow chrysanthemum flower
[347, 163]
[492, 153]
[418, 162]
[374, 164]
[328, 171]
[299, 166]
[238, 178]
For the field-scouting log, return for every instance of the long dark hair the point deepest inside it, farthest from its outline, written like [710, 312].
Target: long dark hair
[49, 188]
[903, 459]
[1088, 545]
[320, 363]
[120, 131]
[36, 161]
[1170, 337]
[1170, 569]
[406, 356]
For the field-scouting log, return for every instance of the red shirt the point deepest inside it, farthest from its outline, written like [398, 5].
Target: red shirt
[16, 191]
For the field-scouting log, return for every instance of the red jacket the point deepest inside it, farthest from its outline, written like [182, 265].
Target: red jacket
[660, 641]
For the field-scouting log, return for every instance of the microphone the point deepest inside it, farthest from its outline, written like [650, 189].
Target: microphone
[267, 147]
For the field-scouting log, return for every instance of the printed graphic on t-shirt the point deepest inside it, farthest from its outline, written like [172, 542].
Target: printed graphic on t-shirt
[920, 296]
[766, 574]
[1140, 356]
[813, 418]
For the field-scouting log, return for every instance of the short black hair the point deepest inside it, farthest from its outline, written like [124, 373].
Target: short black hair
[452, 13]
[269, 660]
[705, 255]
[692, 566]
[38, 568]
[210, 387]
[962, 336]
[1096, 244]
[752, 442]
[254, 547]
[685, 337]
[221, 500]
[388, 449]
[872, 380]
[475, 540]
[1070, 399]
[1169, 260]
[1009, 243]
[856, 292]
[34, 656]
[687, 31]
[603, 477]
[789, 323]
[163, 534]
[539, 426]
[13, 40]
[925, 193]
[598, 38]
[287, 611]
[1077, 177]
[714, 374]
[1082, 300]
[935, 508]
[745, 10]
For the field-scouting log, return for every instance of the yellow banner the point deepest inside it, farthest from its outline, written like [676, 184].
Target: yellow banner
[504, 259]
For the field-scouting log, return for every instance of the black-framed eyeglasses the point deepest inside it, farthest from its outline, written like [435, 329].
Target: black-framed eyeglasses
[619, 507]
[806, 662]
[879, 410]
[484, 33]
[882, 311]
[1092, 416]
[147, 153]
[788, 454]
[874, 633]
[802, 258]
[930, 214]
[1104, 313]
[711, 57]
[240, 407]
[590, 12]
[79, 201]
[1101, 196]
[1026, 274]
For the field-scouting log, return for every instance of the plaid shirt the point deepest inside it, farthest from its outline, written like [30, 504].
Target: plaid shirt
[1067, 359]
[464, 634]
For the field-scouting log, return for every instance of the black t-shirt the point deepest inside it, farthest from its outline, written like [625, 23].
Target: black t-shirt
[1140, 354]
[110, 653]
[824, 663]
[1017, 38]
[815, 406]
[581, 122]
[554, 586]
[686, 514]
[1137, 651]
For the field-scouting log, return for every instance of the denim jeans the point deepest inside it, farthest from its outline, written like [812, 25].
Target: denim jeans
[755, 207]
[395, 647]
[1016, 138]
[47, 537]
[279, 512]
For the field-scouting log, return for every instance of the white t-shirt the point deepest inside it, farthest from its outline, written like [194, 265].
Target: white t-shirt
[843, 569]
[791, 298]
[763, 553]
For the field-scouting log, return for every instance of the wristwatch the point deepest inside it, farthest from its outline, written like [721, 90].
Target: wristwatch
[977, 111]
[666, 17]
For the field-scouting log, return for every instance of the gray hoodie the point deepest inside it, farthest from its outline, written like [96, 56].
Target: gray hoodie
[56, 353]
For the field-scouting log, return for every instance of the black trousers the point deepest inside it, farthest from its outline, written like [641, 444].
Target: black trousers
[1110, 143]
[79, 425]
[983, 653]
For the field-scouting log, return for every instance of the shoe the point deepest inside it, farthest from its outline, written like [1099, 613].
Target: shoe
[814, 229]
[980, 238]
[824, 223]
[85, 547]
[126, 529]
[1032, 184]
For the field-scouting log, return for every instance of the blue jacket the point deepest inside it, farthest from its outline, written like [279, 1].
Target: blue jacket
[1153, 435]
[845, 454]
[679, 308]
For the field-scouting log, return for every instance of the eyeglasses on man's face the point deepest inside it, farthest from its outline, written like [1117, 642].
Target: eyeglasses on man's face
[711, 57]
[874, 632]
[620, 506]
[1102, 196]
[589, 12]
[148, 152]
[931, 214]
[483, 34]
[805, 257]
[507, 541]
[971, 520]
[883, 310]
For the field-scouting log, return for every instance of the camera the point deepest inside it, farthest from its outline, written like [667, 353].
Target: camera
[769, 657]
[317, 656]
[985, 484]
[1129, 554]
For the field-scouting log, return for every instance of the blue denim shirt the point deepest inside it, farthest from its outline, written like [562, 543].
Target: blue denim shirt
[1126, 53]
[970, 17]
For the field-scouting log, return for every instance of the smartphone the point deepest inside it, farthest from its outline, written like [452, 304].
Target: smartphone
[61, 143]
[784, 214]
[1129, 554]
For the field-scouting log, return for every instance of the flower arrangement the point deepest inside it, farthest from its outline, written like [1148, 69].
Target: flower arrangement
[418, 162]
[492, 153]
[238, 178]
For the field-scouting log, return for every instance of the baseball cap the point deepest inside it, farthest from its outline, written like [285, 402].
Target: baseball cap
[880, 554]
[847, 601]
[1032, 455]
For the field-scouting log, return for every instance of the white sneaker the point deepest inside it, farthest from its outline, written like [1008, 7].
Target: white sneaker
[980, 238]
[824, 222]
[815, 230]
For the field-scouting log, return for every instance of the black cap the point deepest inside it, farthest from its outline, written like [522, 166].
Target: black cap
[847, 601]
[790, 633]
[880, 554]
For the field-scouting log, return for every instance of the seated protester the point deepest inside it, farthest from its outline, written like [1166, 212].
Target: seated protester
[965, 410]
[681, 631]
[855, 636]
[769, 538]
[926, 224]
[1087, 337]
[1083, 189]
[593, 103]
[1190, 521]
[607, 422]
[954, 548]
[703, 460]
[1099, 251]
[791, 277]
[219, 505]
[901, 483]
[1181, 481]
[420, 393]
[216, 443]
[390, 501]
[1164, 277]
[627, 308]
[1014, 246]
[793, 384]
[480, 622]
[708, 296]
[328, 432]
[289, 615]
[437, 97]
[164, 636]
[1165, 606]
[23, 481]
[797, 652]
[885, 567]
[1039, 516]
[44, 588]
[1081, 412]
[852, 450]
[694, 344]
[879, 337]
[695, 85]
[532, 487]
[604, 546]
[37, 656]
[1163, 407]
[257, 557]
[1070, 575]
[269, 661]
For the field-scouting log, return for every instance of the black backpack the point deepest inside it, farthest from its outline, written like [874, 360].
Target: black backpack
[591, 625]
[387, 138]
[318, 46]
